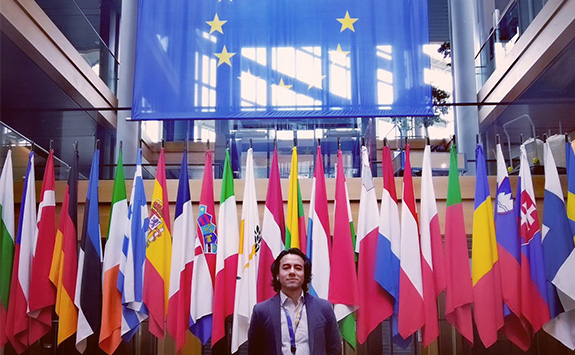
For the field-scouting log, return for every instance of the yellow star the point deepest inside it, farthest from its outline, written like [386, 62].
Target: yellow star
[224, 57]
[216, 25]
[347, 22]
[340, 51]
[317, 83]
[282, 85]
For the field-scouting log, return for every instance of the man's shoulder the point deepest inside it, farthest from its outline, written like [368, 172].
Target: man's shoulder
[318, 302]
[263, 305]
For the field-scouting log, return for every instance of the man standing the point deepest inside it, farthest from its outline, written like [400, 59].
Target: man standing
[293, 322]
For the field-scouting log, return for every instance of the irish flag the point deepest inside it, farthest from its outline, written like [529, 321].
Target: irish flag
[227, 256]
[110, 331]
[295, 227]
[6, 240]
[158, 254]
[273, 231]
[343, 288]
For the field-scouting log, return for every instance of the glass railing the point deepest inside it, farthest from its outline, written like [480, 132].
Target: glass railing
[508, 28]
[92, 26]
[21, 147]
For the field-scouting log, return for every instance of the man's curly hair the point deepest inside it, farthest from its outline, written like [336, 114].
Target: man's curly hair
[275, 269]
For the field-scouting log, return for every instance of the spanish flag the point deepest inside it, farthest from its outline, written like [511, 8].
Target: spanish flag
[64, 260]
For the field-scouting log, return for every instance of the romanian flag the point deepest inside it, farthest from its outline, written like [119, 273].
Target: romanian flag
[459, 291]
[111, 329]
[19, 325]
[63, 271]
[389, 239]
[295, 227]
[247, 273]
[487, 298]
[158, 254]
[534, 300]
[319, 238]
[42, 291]
[273, 231]
[559, 257]
[432, 260]
[571, 186]
[227, 256]
[205, 247]
[6, 240]
[411, 310]
[131, 275]
[507, 234]
[184, 234]
[375, 305]
[88, 293]
[343, 292]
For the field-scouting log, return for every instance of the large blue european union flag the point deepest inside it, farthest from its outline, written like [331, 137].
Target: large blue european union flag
[212, 59]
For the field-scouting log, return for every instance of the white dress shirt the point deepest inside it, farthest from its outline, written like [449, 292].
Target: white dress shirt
[301, 331]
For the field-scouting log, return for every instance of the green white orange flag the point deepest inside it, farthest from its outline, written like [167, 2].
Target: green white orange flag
[158, 254]
[65, 260]
[295, 227]
[6, 240]
[111, 329]
[247, 275]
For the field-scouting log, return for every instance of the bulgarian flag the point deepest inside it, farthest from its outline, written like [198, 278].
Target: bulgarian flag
[343, 287]
[295, 228]
[459, 291]
[158, 254]
[227, 256]
[319, 239]
[110, 332]
[375, 305]
[273, 231]
[88, 293]
[432, 260]
[63, 270]
[487, 296]
[250, 239]
[19, 326]
[411, 309]
[184, 234]
[42, 291]
[6, 240]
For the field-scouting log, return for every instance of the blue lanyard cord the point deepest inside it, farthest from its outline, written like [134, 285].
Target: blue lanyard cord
[291, 330]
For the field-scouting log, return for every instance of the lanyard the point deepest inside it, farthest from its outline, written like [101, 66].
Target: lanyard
[291, 328]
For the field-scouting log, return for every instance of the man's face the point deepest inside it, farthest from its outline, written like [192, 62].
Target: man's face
[291, 274]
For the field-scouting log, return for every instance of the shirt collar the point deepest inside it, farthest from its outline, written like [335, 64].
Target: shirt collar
[284, 298]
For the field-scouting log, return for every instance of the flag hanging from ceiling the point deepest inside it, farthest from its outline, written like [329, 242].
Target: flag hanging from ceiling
[6, 240]
[319, 239]
[273, 231]
[227, 256]
[19, 326]
[343, 291]
[295, 220]
[534, 299]
[281, 59]
[111, 328]
[88, 297]
[184, 237]
[375, 305]
[248, 255]
[507, 234]
[487, 298]
[459, 293]
[570, 154]
[42, 291]
[64, 259]
[559, 257]
[158, 253]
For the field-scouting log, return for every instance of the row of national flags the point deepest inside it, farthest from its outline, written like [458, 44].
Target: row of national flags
[205, 269]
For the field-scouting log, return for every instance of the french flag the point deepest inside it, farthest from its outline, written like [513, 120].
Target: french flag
[411, 310]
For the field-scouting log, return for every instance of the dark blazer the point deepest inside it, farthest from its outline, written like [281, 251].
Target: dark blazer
[264, 335]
